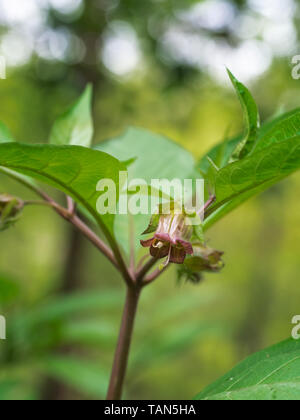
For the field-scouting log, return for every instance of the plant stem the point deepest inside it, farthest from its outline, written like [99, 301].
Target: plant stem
[144, 269]
[153, 276]
[123, 346]
[70, 216]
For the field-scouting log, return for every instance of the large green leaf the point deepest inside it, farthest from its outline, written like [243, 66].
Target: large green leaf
[75, 127]
[272, 374]
[251, 117]
[72, 169]
[242, 179]
[156, 157]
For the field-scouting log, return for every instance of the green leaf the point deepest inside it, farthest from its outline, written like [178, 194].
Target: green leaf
[86, 377]
[240, 180]
[153, 225]
[225, 209]
[75, 127]
[156, 157]
[221, 153]
[272, 374]
[5, 134]
[6, 137]
[251, 116]
[72, 169]
[282, 129]
[270, 123]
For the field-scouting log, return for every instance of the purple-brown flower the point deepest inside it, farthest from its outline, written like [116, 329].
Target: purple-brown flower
[171, 239]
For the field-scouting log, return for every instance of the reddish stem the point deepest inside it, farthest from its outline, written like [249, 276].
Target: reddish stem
[123, 347]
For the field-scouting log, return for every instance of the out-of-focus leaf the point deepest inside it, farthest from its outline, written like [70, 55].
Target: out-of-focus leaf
[272, 374]
[171, 342]
[75, 127]
[156, 157]
[72, 169]
[5, 134]
[68, 306]
[16, 390]
[95, 333]
[251, 117]
[83, 376]
[9, 289]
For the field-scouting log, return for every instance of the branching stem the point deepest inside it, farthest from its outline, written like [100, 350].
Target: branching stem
[135, 279]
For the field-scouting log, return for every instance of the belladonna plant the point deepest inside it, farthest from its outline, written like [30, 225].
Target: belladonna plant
[233, 171]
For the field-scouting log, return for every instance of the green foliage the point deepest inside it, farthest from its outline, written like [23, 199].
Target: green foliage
[263, 168]
[5, 134]
[251, 118]
[283, 128]
[83, 376]
[75, 126]
[156, 157]
[273, 153]
[9, 289]
[234, 170]
[272, 374]
[72, 169]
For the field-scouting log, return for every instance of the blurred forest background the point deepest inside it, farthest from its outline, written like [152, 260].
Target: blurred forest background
[159, 64]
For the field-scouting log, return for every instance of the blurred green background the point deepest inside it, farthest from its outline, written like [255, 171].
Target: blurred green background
[159, 64]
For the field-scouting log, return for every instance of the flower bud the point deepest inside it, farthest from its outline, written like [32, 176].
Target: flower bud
[205, 259]
[10, 209]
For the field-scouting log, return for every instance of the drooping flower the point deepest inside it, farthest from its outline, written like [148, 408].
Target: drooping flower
[171, 239]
